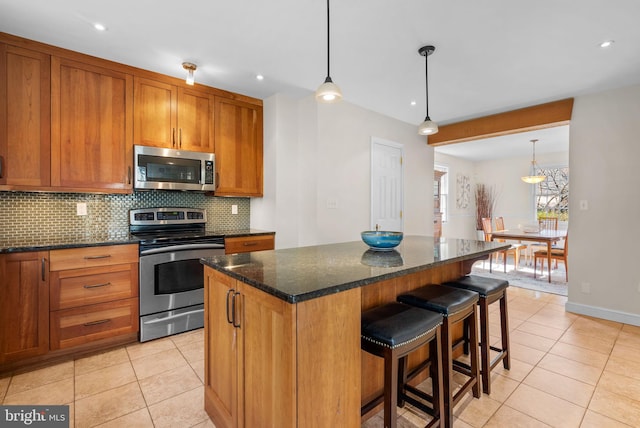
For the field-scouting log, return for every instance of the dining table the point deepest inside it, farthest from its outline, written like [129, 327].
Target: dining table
[548, 236]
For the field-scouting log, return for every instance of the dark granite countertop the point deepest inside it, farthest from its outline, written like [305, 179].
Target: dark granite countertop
[119, 237]
[299, 274]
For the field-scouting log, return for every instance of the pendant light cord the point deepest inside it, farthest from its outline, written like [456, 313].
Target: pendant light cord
[426, 80]
[328, 45]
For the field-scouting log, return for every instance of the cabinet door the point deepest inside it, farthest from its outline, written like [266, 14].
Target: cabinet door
[269, 387]
[195, 120]
[25, 119]
[221, 351]
[24, 305]
[238, 148]
[92, 146]
[155, 107]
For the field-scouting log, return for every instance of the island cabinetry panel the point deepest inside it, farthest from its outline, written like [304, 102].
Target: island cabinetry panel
[272, 363]
[94, 294]
[25, 119]
[172, 117]
[91, 127]
[24, 305]
[250, 366]
[245, 244]
[238, 148]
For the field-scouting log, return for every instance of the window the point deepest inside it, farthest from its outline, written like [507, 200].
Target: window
[552, 194]
[441, 190]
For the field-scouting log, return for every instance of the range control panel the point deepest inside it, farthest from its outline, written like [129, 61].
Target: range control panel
[164, 215]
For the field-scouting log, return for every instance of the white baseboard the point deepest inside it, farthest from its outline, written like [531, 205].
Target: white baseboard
[607, 314]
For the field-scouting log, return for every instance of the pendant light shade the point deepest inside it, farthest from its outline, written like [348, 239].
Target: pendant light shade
[428, 127]
[533, 179]
[328, 92]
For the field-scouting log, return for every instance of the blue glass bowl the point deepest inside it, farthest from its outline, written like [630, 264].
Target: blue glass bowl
[381, 240]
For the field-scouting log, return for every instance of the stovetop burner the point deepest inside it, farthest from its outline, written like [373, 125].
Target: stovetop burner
[170, 226]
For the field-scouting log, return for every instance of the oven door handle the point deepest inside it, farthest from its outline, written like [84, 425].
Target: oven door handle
[171, 317]
[181, 248]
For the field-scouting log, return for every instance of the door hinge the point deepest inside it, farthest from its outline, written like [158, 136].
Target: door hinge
[401, 160]
[400, 213]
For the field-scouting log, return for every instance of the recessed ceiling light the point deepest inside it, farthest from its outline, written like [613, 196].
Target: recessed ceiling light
[259, 77]
[413, 103]
[606, 43]
[100, 27]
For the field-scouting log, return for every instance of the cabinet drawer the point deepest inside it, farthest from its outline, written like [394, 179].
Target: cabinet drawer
[72, 327]
[245, 244]
[76, 258]
[79, 287]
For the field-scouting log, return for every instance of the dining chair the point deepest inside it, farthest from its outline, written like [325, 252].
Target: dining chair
[514, 249]
[548, 223]
[544, 223]
[520, 247]
[556, 254]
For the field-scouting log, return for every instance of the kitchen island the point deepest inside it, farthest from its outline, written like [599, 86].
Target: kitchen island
[282, 327]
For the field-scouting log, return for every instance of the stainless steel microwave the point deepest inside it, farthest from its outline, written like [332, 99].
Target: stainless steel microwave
[169, 169]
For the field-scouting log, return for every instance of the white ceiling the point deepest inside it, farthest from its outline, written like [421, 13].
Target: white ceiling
[550, 140]
[491, 55]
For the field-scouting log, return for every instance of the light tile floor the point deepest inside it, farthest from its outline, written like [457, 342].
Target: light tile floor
[567, 371]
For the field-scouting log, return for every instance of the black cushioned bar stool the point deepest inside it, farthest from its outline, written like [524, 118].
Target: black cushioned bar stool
[392, 331]
[455, 305]
[490, 290]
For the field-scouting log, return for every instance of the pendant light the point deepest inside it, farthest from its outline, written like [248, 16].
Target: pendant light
[191, 68]
[328, 92]
[428, 127]
[533, 179]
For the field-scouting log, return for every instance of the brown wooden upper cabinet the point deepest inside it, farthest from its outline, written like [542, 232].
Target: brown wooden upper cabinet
[25, 141]
[238, 148]
[91, 135]
[173, 117]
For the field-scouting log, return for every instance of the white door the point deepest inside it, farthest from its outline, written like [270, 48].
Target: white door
[386, 185]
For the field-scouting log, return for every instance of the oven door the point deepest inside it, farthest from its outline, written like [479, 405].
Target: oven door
[173, 277]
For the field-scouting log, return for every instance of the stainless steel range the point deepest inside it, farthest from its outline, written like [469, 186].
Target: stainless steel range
[172, 241]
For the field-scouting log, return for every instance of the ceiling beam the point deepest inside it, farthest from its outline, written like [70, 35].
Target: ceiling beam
[541, 116]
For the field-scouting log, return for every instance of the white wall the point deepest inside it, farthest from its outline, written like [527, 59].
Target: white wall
[461, 221]
[603, 243]
[320, 153]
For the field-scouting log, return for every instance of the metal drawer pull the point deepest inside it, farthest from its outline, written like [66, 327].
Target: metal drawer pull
[97, 285]
[89, 324]
[250, 244]
[229, 320]
[105, 256]
[233, 308]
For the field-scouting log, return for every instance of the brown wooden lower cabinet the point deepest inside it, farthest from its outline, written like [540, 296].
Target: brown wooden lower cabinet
[245, 244]
[262, 354]
[24, 305]
[61, 302]
[77, 326]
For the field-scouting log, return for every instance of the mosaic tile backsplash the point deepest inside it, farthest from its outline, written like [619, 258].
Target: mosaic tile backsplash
[27, 216]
